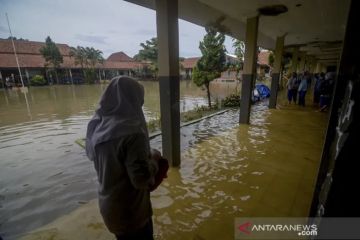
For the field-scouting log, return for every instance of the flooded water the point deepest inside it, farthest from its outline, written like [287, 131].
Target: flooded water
[43, 173]
[267, 168]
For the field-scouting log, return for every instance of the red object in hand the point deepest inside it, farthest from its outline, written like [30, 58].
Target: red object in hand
[161, 174]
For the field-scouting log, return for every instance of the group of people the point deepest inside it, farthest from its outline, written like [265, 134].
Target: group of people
[323, 89]
[299, 84]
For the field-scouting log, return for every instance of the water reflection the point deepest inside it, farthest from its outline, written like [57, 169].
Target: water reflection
[62, 102]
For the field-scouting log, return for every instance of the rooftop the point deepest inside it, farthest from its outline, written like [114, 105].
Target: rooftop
[29, 56]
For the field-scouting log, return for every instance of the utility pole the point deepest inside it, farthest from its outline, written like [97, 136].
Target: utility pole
[16, 57]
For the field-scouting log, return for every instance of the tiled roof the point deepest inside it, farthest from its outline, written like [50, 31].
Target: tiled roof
[29, 56]
[28, 47]
[31, 61]
[263, 58]
[190, 62]
[122, 65]
[120, 57]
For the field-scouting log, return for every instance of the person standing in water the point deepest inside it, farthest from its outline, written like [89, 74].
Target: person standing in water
[117, 142]
[292, 88]
[303, 88]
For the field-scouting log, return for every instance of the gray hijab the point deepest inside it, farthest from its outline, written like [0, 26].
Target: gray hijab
[119, 114]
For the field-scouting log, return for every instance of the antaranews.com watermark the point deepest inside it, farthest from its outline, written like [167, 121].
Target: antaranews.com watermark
[297, 228]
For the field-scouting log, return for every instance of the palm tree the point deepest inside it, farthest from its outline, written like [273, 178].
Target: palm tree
[80, 56]
[87, 58]
[93, 56]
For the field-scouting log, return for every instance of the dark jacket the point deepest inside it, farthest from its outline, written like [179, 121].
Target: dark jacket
[125, 172]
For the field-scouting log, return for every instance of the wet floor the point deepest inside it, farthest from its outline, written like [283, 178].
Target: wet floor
[267, 168]
[43, 173]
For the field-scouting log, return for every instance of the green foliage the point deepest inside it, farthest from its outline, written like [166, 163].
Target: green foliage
[153, 125]
[38, 80]
[239, 49]
[19, 39]
[232, 100]
[201, 78]
[87, 58]
[93, 56]
[79, 53]
[197, 113]
[212, 61]
[90, 75]
[149, 51]
[271, 59]
[240, 54]
[52, 55]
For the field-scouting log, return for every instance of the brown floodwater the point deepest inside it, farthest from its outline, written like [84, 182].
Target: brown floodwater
[267, 168]
[43, 173]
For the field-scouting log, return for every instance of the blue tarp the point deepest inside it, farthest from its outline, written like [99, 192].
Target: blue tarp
[261, 91]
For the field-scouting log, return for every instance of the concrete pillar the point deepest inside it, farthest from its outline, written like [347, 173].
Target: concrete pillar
[168, 76]
[301, 66]
[71, 77]
[294, 61]
[313, 64]
[276, 71]
[323, 68]
[27, 76]
[249, 70]
[318, 67]
[2, 80]
[307, 63]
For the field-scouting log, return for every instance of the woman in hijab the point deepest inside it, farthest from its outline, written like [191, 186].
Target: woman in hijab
[117, 142]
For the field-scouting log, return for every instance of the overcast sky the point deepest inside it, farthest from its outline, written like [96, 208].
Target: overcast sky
[108, 25]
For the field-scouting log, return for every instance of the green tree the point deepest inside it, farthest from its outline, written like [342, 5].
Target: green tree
[212, 61]
[149, 53]
[87, 58]
[271, 59]
[240, 54]
[93, 57]
[19, 39]
[239, 49]
[52, 56]
[79, 54]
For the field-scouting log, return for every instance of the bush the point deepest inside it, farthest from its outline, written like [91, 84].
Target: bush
[38, 80]
[197, 113]
[153, 125]
[232, 100]
[90, 76]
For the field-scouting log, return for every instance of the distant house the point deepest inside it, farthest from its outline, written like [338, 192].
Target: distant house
[120, 64]
[32, 63]
[30, 60]
[188, 64]
[263, 67]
